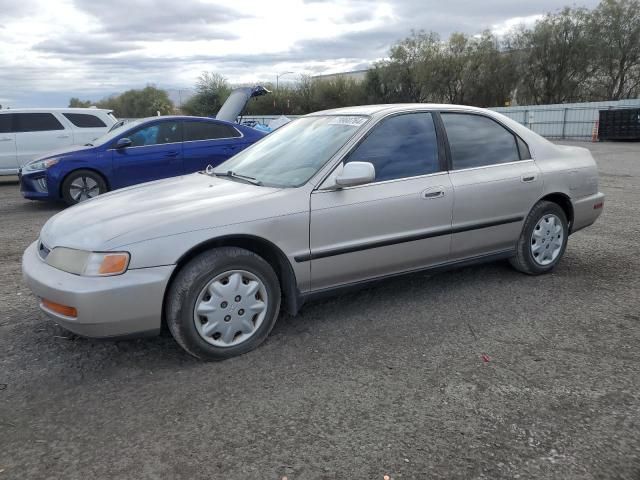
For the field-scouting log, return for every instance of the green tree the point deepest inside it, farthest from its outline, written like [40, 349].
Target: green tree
[212, 90]
[146, 102]
[77, 103]
[615, 28]
[556, 62]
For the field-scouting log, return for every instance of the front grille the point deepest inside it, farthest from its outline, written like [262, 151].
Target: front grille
[43, 251]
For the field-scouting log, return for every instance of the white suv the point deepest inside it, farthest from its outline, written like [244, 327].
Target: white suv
[28, 133]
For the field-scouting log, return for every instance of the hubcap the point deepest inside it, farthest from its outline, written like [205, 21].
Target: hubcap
[230, 308]
[83, 188]
[547, 239]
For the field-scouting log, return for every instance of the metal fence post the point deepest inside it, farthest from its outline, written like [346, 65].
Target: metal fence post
[564, 123]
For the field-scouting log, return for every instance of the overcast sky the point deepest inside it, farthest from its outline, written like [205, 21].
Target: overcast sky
[51, 50]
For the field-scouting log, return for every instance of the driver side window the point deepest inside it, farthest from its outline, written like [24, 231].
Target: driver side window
[401, 146]
[156, 134]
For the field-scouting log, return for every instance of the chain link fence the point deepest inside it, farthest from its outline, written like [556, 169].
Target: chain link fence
[571, 121]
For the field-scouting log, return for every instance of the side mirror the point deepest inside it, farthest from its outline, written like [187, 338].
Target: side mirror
[356, 173]
[123, 143]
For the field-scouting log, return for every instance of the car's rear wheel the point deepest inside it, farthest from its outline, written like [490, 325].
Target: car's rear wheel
[543, 239]
[223, 303]
[82, 185]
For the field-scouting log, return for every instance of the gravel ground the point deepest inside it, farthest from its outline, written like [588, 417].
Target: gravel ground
[387, 381]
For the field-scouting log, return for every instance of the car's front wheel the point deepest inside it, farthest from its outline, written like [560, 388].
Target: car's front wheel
[82, 185]
[223, 303]
[543, 239]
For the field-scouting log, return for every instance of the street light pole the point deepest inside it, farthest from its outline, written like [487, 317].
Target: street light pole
[278, 83]
[278, 78]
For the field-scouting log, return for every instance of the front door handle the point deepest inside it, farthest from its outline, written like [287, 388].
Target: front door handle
[63, 136]
[437, 192]
[529, 177]
[6, 139]
[171, 154]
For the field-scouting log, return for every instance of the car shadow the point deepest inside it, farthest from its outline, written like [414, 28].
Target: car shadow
[163, 353]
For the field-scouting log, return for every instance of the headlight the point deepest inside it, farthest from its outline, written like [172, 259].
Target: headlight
[90, 264]
[40, 165]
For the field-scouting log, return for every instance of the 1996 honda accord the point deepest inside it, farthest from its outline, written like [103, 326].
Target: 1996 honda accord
[334, 199]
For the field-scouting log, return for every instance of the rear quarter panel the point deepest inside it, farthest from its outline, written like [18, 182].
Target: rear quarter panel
[569, 170]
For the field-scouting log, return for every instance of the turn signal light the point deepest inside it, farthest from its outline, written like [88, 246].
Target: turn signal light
[113, 264]
[597, 206]
[65, 310]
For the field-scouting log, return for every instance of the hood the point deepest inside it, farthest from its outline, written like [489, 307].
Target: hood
[234, 105]
[156, 209]
[64, 151]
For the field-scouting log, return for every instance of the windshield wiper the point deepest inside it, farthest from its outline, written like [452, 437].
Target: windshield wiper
[239, 176]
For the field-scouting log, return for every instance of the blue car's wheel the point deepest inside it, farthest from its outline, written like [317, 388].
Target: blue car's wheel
[82, 185]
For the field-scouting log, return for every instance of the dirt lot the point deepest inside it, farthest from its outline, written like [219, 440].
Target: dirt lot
[390, 380]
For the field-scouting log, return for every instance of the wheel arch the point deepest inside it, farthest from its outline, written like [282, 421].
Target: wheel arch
[564, 202]
[90, 169]
[272, 254]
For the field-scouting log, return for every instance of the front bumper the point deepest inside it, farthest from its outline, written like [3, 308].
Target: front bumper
[122, 305]
[34, 186]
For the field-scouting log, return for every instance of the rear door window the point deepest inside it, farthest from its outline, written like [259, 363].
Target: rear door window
[196, 131]
[36, 122]
[478, 141]
[85, 120]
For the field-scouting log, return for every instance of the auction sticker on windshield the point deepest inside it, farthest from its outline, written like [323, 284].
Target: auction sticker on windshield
[352, 121]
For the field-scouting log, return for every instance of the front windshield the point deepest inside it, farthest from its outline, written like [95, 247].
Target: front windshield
[291, 155]
[107, 137]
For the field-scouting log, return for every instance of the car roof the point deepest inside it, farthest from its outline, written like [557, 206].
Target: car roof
[395, 107]
[537, 144]
[61, 110]
[178, 117]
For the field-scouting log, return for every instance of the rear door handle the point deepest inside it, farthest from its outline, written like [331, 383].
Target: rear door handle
[63, 136]
[6, 139]
[171, 154]
[529, 177]
[436, 192]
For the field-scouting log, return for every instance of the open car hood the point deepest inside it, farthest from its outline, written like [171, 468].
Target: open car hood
[234, 105]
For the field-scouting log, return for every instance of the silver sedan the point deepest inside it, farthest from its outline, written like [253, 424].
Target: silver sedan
[332, 200]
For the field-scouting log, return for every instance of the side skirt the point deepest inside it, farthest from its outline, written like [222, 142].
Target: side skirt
[441, 267]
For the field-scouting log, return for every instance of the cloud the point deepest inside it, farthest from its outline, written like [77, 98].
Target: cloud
[13, 8]
[163, 19]
[53, 50]
[77, 44]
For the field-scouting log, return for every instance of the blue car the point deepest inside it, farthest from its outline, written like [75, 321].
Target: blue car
[136, 152]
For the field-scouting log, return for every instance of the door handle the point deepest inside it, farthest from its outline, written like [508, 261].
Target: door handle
[529, 177]
[437, 192]
[6, 139]
[171, 154]
[63, 136]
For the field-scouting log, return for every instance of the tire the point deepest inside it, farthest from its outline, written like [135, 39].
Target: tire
[81, 185]
[214, 320]
[540, 253]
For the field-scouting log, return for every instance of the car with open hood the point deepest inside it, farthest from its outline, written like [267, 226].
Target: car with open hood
[140, 151]
[332, 200]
